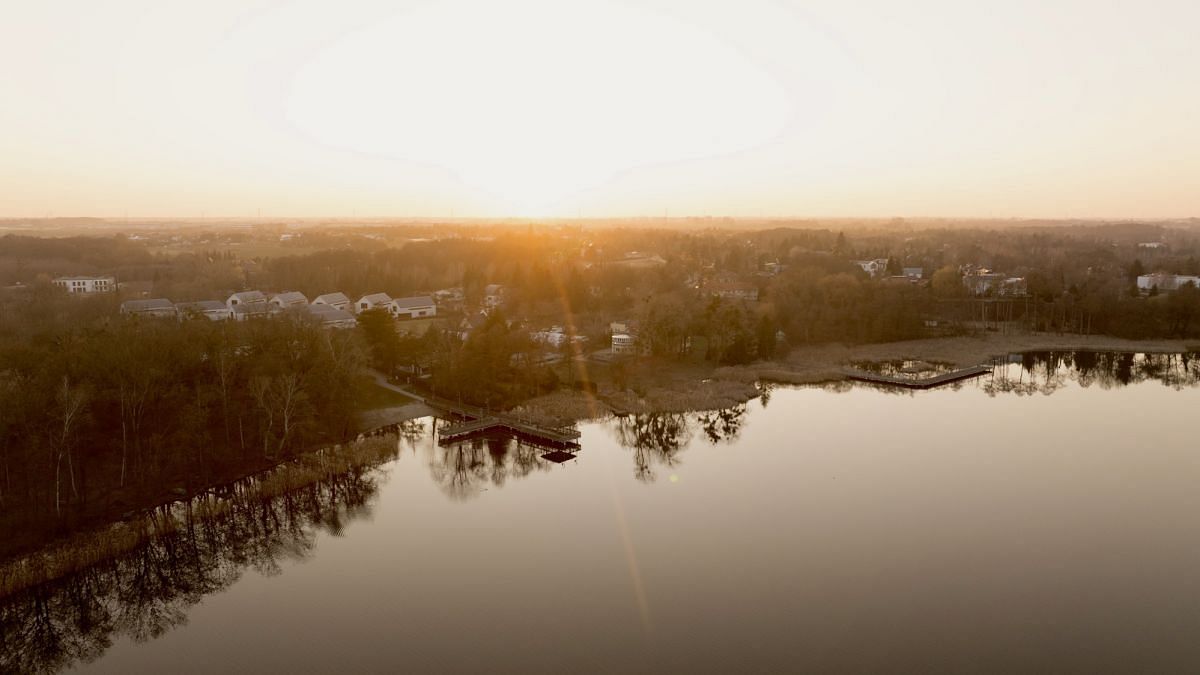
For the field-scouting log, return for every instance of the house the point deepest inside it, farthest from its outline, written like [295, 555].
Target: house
[1151, 245]
[335, 300]
[1013, 287]
[250, 310]
[160, 307]
[914, 272]
[555, 337]
[289, 299]
[373, 301]
[732, 290]
[875, 267]
[87, 284]
[419, 306]
[449, 298]
[981, 281]
[625, 338]
[332, 317]
[213, 310]
[246, 298]
[624, 343]
[1165, 282]
[493, 295]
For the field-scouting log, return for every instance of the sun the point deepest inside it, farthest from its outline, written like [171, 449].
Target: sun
[534, 103]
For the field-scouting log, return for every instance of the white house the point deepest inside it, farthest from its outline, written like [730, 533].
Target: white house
[160, 307]
[874, 267]
[1165, 282]
[87, 284]
[415, 307]
[289, 299]
[336, 300]
[250, 310]
[624, 343]
[213, 310]
[373, 301]
[332, 317]
[246, 298]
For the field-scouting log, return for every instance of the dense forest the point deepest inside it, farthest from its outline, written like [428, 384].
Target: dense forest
[100, 413]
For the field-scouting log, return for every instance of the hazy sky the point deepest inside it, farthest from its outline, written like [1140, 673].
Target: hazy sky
[1046, 108]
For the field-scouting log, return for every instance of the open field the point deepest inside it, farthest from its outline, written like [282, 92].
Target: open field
[374, 397]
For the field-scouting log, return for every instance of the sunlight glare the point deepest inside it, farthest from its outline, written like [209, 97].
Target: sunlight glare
[535, 102]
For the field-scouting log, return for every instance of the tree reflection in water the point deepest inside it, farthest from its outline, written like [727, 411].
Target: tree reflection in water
[467, 468]
[657, 439]
[142, 593]
[1048, 372]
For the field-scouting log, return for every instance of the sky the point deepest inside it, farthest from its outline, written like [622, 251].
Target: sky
[600, 108]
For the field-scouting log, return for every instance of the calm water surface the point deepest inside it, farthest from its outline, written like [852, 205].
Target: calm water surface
[1018, 522]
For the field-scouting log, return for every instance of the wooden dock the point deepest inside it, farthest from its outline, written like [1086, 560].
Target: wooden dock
[927, 383]
[542, 434]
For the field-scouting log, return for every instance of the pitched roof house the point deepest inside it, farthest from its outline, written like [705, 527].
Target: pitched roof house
[246, 298]
[413, 307]
[151, 307]
[289, 299]
[372, 301]
[338, 300]
[332, 317]
[213, 310]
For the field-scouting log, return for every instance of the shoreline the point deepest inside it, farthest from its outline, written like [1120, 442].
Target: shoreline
[666, 387]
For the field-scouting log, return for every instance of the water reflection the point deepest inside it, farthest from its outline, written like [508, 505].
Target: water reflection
[657, 439]
[465, 469]
[262, 523]
[202, 547]
[1048, 372]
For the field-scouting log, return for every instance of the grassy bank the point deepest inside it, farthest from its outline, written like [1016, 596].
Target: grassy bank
[656, 385]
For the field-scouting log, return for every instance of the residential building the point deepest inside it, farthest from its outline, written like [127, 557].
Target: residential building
[875, 268]
[213, 310]
[250, 310]
[160, 307]
[914, 272]
[332, 317]
[289, 299]
[416, 307]
[335, 300]
[1165, 282]
[373, 301]
[87, 284]
[246, 298]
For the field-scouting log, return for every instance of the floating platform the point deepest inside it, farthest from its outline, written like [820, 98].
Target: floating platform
[926, 383]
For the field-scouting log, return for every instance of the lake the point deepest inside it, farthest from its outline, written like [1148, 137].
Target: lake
[1045, 517]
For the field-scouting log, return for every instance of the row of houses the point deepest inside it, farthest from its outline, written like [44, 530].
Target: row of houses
[334, 310]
